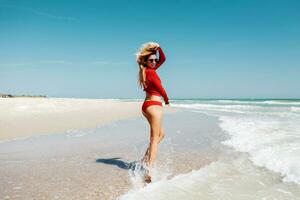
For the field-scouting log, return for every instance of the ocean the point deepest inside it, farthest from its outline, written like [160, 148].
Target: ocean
[258, 148]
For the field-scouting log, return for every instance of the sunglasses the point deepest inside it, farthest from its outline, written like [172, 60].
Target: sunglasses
[151, 60]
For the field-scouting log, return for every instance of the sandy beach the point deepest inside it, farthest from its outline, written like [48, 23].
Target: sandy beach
[78, 149]
[23, 117]
[86, 153]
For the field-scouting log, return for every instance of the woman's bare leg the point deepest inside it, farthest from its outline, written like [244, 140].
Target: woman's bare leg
[156, 121]
[154, 116]
[161, 136]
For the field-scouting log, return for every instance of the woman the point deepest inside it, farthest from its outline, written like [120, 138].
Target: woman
[152, 107]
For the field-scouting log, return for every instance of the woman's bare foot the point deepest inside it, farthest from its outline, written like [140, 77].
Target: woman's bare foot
[148, 177]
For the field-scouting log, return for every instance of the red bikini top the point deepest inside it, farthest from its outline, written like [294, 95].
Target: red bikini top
[153, 82]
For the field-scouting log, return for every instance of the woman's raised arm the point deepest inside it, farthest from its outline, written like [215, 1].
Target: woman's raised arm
[162, 58]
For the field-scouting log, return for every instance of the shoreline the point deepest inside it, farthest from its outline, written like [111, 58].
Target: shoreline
[97, 158]
[193, 156]
[25, 117]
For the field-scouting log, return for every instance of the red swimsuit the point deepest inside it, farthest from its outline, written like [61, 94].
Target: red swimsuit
[154, 85]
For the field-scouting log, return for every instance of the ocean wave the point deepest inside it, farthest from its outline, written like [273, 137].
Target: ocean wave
[202, 105]
[271, 143]
[278, 102]
[270, 139]
[229, 179]
[282, 102]
[242, 109]
[295, 109]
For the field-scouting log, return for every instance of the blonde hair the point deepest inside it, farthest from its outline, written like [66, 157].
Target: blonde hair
[145, 51]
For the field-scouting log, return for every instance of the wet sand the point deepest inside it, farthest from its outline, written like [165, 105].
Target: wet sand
[90, 163]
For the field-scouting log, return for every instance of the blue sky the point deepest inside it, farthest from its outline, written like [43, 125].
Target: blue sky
[214, 49]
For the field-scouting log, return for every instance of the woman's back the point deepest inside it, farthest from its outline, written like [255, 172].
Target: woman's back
[154, 85]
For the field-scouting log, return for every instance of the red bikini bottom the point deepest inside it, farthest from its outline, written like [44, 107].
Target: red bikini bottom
[150, 103]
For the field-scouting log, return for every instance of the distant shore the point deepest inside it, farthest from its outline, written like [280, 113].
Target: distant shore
[23, 95]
